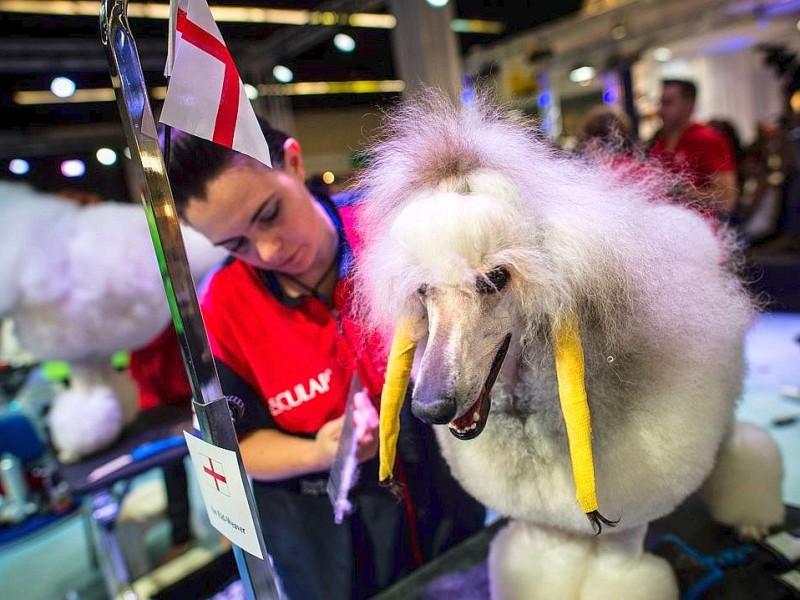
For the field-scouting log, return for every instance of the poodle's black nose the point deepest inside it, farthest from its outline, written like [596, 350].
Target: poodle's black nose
[436, 410]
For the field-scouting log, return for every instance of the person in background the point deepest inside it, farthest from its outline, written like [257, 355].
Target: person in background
[288, 343]
[698, 153]
[609, 126]
[605, 135]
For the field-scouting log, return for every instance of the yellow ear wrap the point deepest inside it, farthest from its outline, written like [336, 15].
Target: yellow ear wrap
[575, 407]
[398, 373]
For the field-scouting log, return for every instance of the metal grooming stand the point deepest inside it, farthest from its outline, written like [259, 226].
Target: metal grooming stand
[211, 407]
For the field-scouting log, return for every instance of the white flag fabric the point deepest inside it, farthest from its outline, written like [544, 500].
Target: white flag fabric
[205, 96]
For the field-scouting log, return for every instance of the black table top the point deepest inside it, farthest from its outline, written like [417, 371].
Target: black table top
[462, 571]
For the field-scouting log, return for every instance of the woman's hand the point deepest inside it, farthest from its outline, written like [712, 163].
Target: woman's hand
[327, 441]
[365, 425]
[365, 422]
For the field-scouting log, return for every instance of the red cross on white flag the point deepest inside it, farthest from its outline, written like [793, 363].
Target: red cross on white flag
[215, 475]
[205, 96]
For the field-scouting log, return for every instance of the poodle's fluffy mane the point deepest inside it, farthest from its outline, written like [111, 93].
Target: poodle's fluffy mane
[572, 229]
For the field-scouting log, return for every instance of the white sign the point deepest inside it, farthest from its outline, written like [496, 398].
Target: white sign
[223, 492]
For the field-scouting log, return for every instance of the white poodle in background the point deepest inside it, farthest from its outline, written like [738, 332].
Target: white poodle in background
[81, 283]
[477, 232]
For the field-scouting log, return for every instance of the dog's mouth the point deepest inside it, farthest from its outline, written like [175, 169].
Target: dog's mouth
[470, 425]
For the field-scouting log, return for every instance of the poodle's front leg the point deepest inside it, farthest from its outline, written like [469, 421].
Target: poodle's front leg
[744, 489]
[530, 562]
[621, 570]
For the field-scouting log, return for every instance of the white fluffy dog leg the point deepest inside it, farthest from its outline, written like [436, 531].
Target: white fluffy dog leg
[527, 562]
[744, 489]
[621, 570]
[82, 422]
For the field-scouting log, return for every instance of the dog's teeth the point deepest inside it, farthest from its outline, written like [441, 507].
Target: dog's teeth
[476, 417]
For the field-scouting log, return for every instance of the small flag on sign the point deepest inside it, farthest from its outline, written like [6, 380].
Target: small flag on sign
[205, 96]
[215, 475]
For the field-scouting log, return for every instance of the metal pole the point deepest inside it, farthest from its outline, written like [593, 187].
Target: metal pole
[210, 405]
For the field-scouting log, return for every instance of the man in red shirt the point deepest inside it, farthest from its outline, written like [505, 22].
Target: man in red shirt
[697, 152]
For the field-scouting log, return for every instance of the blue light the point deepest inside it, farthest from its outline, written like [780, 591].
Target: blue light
[19, 166]
[610, 96]
[544, 99]
[467, 91]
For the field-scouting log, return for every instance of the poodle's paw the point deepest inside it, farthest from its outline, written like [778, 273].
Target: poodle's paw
[527, 562]
[640, 577]
[744, 489]
[753, 533]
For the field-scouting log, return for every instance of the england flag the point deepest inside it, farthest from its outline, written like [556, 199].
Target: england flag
[214, 475]
[205, 96]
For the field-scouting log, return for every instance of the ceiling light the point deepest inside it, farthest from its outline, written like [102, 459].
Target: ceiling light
[229, 14]
[250, 91]
[794, 102]
[19, 166]
[305, 88]
[662, 54]
[319, 88]
[477, 26]
[73, 168]
[344, 42]
[437, 3]
[282, 74]
[328, 177]
[63, 87]
[582, 74]
[46, 97]
[106, 156]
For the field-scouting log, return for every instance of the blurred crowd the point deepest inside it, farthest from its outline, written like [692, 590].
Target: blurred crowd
[754, 188]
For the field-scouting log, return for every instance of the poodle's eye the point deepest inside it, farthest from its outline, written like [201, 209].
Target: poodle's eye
[423, 290]
[494, 281]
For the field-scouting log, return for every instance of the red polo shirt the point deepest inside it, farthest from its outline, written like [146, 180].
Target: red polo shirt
[700, 152]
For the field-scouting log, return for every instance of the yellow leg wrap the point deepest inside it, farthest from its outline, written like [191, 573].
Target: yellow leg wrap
[398, 373]
[572, 394]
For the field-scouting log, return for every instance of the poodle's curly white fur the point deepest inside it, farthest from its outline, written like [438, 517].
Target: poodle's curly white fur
[456, 195]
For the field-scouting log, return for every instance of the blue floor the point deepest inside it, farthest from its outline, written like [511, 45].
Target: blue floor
[55, 563]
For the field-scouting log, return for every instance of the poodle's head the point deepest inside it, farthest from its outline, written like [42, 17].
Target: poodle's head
[455, 242]
[459, 262]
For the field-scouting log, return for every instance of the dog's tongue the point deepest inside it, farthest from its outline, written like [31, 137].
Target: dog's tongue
[469, 425]
[468, 420]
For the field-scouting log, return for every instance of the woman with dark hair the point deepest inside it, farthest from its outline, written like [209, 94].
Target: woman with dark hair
[286, 341]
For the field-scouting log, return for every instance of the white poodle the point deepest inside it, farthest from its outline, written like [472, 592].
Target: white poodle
[487, 240]
[79, 284]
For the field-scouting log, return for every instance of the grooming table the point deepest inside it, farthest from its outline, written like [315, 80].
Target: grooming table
[744, 572]
[106, 494]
